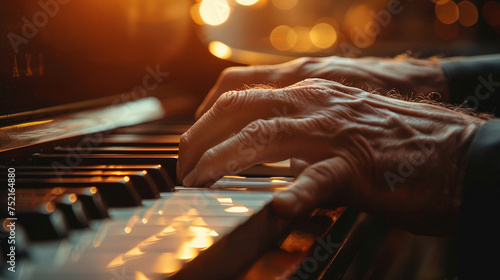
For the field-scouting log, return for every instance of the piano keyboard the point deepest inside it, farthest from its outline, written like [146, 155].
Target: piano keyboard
[116, 214]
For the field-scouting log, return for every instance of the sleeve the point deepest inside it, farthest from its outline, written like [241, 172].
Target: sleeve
[475, 81]
[480, 210]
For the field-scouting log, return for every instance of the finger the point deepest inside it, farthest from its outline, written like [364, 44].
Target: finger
[297, 166]
[235, 78]
[261, 141]
[321, 183]
[232, 111]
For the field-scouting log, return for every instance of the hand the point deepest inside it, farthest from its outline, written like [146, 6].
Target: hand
[400, 161]
[406, 75]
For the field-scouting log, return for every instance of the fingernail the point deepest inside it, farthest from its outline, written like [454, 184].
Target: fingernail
[190, 179]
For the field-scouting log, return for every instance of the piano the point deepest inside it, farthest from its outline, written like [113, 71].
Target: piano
[95, 95]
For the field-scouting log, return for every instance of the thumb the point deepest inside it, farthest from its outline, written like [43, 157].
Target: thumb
[320, 183]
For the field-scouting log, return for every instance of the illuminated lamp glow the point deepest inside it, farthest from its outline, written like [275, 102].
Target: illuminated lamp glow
[284, 4]
[219, 49]
[237, 209]
[447, 11]
[323, 35]
[214, 12]
[468, 13]
[283, 37]
[247, 2]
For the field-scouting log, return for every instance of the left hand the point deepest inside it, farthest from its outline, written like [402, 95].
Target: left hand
[398, 160]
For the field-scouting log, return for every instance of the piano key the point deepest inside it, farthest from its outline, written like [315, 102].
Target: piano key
[126, 150]
[140, 140]
[20, 240]
[153, 129]
[72, 208]
[89, 196]
[43, 221]
[143, 250]
[145, 186]
[157, 173]
[116, 191]
[167, 162]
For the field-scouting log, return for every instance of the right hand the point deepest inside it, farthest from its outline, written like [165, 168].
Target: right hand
[406, 75]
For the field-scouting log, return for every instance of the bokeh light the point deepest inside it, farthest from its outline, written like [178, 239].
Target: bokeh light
[246, 2]
[283, 37]
[214, 12]
[284, 4]
[219, 49]
[491, 13]
[468, 14]
[323, 35]
[447, 11]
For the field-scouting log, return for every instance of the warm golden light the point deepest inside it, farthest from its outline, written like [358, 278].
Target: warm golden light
[134, 252]
[118, 261]
[447, 11]
[304, 43]
[93, 190]
[214, 12]
[323, 35]
[201, 242]
[247, 2]
[219, 49]
[140, 276]
[468, 13]
[166, 263]
[195, 14]
[25, 124]
[284, 4]
[127, 229]
[235, 177]
[126, 178]
[225, 200]
[278, 181]
[283, 37]
[50, 207]
[186, 252]
[72, 198]
[237, 209]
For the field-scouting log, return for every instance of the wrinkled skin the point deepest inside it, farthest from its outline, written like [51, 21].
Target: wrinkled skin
[403, 162]
[406, 75]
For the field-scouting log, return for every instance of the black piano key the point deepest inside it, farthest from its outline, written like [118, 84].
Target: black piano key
[145, 186]
[89, 196]
[42, 222]
[157, 173]
[73, 210]
[116, 191]
[19, 240]
[168, 162]
[153, 129]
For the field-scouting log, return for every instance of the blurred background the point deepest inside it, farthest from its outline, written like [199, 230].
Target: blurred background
[61, 51]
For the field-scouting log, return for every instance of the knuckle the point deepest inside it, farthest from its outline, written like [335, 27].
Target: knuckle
[259, 133]
[184, 140]
[210, 155]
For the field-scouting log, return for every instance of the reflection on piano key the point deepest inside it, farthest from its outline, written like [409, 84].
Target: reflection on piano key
[154, 241]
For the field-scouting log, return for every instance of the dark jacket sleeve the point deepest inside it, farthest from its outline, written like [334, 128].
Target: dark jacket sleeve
[480, 212]
[475, 81]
